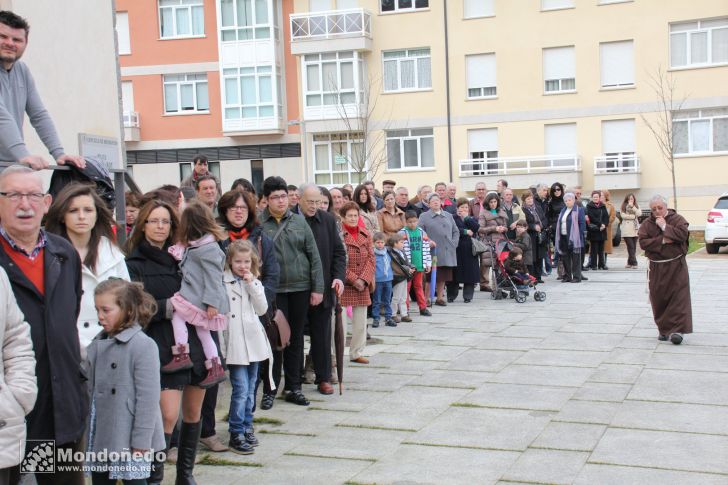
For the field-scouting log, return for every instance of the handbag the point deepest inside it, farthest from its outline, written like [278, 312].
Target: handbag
[479, 247]
[276, 328]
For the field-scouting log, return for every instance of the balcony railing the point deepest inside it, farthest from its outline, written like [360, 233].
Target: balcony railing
[520, 165]
[621, 163]
[131, 119]
[354, 22]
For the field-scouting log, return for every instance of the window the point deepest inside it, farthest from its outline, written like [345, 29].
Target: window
[483, 145]
[127, 96]
[244, 20]
[478, 8]
[559, 69]
[185, 93]
[185, 170]
[481, 75]
[248, 92]
[617, 63]
[407, 70]
[699, 43]
[410, 149]
[339, 158]
[122, 33]
[618, 144]
[181, 18]
[403, 5]
[556, 4]
[332, 78]
[560, 143]
[700, 131]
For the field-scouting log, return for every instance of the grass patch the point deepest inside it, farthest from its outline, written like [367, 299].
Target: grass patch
[327, 457]
[380, 428]
[352, 482]
[212, 461]
[286, 433]
[466, 405]
[694, 245]
[316, 408]
[439, 386]
[265, 420]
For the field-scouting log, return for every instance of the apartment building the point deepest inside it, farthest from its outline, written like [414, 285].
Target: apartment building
[208, 77]
[530, 91]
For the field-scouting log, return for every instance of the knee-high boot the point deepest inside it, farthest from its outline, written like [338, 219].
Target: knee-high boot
[189, 435]
[157, 475]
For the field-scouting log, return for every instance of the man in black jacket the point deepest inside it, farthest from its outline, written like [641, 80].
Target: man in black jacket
[45, 275]
[333, 260]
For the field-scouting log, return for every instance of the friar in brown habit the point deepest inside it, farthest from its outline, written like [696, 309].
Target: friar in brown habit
[664, 238]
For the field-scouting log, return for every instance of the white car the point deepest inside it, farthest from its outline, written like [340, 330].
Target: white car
[716, 229]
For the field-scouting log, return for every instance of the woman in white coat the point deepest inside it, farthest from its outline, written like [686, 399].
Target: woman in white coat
[18, 388]
[79, 215]
[246, 341]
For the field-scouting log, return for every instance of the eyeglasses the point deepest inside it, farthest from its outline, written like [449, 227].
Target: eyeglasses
[156, 222]
[557, 190]
[238, 208]
[274, 198]
[17, 196]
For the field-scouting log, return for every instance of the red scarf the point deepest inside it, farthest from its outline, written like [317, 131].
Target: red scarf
[239, 234]
[352, 230]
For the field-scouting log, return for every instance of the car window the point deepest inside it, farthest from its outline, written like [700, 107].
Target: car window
[722, 203]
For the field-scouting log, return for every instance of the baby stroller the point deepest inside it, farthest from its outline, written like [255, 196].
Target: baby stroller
[502, 284]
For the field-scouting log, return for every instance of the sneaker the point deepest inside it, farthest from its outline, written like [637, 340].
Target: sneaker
[297, 397]
[267, 402]
[239, 445]
[676, 338]
[406, 318]
[250, 438]
[390, 323]
[375, 323]
[425, 312]
[213, 443]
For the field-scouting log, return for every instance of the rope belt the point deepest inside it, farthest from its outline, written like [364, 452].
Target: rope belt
[659, 261]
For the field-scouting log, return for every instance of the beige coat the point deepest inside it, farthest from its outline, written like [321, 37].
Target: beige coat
[612, 214]
[390, 224]
[18, 388]
[630, 225]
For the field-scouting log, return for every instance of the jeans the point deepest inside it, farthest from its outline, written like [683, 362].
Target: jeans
[242, 399]
[382, 299]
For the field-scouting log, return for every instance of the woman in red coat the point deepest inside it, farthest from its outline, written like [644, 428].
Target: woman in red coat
[359, 278]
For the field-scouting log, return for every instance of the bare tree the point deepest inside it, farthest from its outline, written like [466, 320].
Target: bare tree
[664, 86]
[369, 152]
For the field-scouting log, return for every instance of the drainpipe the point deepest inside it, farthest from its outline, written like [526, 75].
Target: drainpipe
[447, 93]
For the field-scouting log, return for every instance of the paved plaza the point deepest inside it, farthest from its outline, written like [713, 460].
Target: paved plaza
[576, 389]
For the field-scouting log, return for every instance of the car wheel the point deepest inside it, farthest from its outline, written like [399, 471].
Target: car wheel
[712, 248]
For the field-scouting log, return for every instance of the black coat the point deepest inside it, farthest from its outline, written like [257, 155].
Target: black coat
[62, 406]
[159, 272]
[536, 217]
[597, 215]
[269, 269]
[468, 269]
[331, 250]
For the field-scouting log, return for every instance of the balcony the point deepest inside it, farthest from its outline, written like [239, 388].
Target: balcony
[335, 30]
[131, 126]
[616, 172]
[521, 172]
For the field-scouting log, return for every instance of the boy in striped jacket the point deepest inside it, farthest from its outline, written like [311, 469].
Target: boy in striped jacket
[417, 250]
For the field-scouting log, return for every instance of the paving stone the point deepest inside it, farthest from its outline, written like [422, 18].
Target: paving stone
[563, 358]
[412, 464]
[587, 412]
[547, 466]
[518, 396]
[501, 429]
[681, 386]
[306, 470]
[648, 343]
[616, 373]
[622, 475]
[660, 449]
[496, 342]
[596, 328]
[689, 418]
[570, 436]
[580, 341]
[672, 361]
[451, 378]
[629, 356]
[483, 360]
[529, 331]
[353, 443]
[601, 391]
[543, 375]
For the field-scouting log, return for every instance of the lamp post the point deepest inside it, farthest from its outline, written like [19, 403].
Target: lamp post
[304, 148]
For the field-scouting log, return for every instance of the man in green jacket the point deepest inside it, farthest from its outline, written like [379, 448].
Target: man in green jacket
[300, 285]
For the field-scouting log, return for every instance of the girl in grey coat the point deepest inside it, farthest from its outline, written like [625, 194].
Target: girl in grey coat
[126, 421]
[202, 299]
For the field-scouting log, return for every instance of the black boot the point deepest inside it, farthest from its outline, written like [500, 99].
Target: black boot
[189, 435]
[157, 475]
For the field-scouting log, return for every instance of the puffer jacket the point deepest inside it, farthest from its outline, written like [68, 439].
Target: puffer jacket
[296, 252]
[18, 388]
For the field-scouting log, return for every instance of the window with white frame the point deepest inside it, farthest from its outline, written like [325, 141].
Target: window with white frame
[410, 149]
[556, 4]
[483, 145]
[332, 78]
[244, 20]
[617, 63]
[699, 43]
[407, 70]
[700, 131]
[339, 158]
[122, 33]
[560, 144]
[480, 73]
[559, 69]
[181, 18]
[249, 92]
[403, 5]
[478, 8]
[185, 93]
[618, 144]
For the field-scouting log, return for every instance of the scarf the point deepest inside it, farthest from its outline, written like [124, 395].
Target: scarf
[352, 230]
[236, 234]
